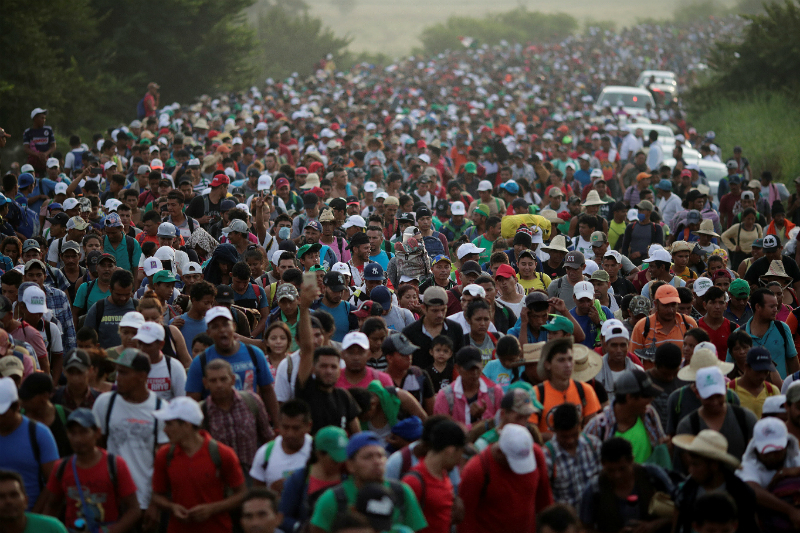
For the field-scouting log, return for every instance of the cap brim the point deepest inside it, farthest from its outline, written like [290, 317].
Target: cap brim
[669, 300]
[765, 367]
[522, 466]
[469, 365]
[336, 288]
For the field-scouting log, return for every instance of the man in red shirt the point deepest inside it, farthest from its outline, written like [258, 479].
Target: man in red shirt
[506, 485]
[729, 200]
[151, 99]
[190, 474]
[429, 479]
[106, 483]
[718, 327]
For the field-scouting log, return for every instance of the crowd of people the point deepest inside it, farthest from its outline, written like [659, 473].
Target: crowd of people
[452, 293]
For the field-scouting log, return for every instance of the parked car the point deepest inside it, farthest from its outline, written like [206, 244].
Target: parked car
[634, 99]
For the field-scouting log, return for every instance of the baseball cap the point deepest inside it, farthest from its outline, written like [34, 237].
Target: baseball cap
[632, 215]
[614, 329]
[368, 308]
[31, 244]
[516, 443]
[505, 271]
[536, 300]
[485, 185]
[164, 276]
[25, 180]
[83, 417]
[710, 381]
[518, 401]
[614, 255]
[224, 294]
[219, 179]
[11, 365]
[362, 440]
[760, 360]
[60, 219]
[598, 238]
[664, 185]
[150, 332]
[434, 295]
[77, 358]
[667, 294]
[476, 291]
[8, 394]
[373, 272]
[381, 296]
[739, 288]
[377, 504]
[774, 405]
[399, 343]
[640, 305]
[112, 220]
[658, 254]
[166, 229]
[702, 284]
[334, 281]
[770, 435]
[693, 217]
[75, 222]
[239, 226]
[635, 381]
[286, 290]
[181, 408]
[583, 289]
[132, 319]
[133, 359]
[34, 300]
[599, 275]
[559, 323]
[457, 208]
[219, 312]
[469, 357]
[467, 249]
[770, 243]
[333, 441]
[306, 248]
[575, 260]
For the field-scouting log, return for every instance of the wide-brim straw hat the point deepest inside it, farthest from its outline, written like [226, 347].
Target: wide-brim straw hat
[593, 198]
[586, 363]
[703, 358]
[706, 228]
[776, 270]
[709, 444]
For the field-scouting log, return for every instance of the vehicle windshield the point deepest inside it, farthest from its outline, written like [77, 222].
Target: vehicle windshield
[628, 99]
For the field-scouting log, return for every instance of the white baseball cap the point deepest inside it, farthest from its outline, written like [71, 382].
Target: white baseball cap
[709, 382]
[659, 255]
[468, 248]
[774, 405]
[633, 214]
[218, 311]
[476, 291]
[355, 221]
[8, 394]
[536, 235]
[614, 329]
[769, 435]
[27, 167]
[341, 268]
[194, 268]
[705, 345]
[583, 289]
[264, 182]
[132, 319]
[150, 332]
[109, 164]
[70, 203]
[276, 256]
[516, 444]
[457, 208]
[485, 185]
[112, 204]
[701, 285]
[52, 163]
[615, 254]
[181, 408]
[35, 300]
[61, 188]
[370, 186]
[151, 266]
[355, 338]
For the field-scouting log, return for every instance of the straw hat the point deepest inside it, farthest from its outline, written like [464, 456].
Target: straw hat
[557, 244]
[709, 444]
[703, 358]
[593, 198]
[551, 216]
[531, 353]
[706, 228]
[586, 363]
[776, 270]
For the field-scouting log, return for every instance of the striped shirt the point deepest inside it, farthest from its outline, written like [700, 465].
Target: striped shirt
[658, 335]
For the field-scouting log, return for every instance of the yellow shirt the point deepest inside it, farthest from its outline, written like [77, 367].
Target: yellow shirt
[754, 403]
[687, 275]
[537, 283]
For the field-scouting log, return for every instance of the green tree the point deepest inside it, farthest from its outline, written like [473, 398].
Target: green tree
[289, 42]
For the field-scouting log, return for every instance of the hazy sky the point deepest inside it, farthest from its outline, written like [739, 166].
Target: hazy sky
[392, 26]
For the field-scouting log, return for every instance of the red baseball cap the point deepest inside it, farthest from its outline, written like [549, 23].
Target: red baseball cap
[505, 271]
[335, 126]
[687, 173]
[318, 191]
[281, 182]
[220, 179]
[301, 171]
[421, 144]
[315, 167]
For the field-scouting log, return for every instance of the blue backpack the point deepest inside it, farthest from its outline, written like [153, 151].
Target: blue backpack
[29, 222]
[140, 110]
[433, 245]
[77, 163]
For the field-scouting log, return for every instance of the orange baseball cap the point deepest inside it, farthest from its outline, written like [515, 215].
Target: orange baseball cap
[667, 294]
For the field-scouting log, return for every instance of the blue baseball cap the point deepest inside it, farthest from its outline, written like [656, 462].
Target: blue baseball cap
[83, 417]
[373, 272]
[362, 440]
[25, 180]
[664, 185]
[315, 225]
[511, 186]
[3, 199]
[381, 296]
[735, 179]
[760, 360]
[112, 220]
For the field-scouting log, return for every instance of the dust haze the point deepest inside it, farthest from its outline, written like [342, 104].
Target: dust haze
[393, 26]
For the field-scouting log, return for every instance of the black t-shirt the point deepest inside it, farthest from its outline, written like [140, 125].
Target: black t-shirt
[335, 408]
[418, 383]
[622, 287]
[197, 208]
[554, 272]
[440, 379]
[761, 265]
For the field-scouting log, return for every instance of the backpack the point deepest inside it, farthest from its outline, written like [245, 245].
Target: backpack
[413, 259]
[101, 308]
[77, 162]
[433, 245]
[85, 306]
[213, 451]
[111, 462]
[155, 423]
[654, 228]
[578, 385]
[396, 487]
[37, 452]
[141, 112]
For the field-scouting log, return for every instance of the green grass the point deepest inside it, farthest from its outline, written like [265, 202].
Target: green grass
[767, 126]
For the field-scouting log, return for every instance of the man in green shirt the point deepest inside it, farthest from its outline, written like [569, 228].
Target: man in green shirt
[486, 240]
[366, 462]
[118, 244]
[12, 513]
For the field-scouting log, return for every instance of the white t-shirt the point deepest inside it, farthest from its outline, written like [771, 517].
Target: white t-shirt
[516, 307]
[280, 464]
[181, 260]
[130, 435]
[54, 336]
[158, 380]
